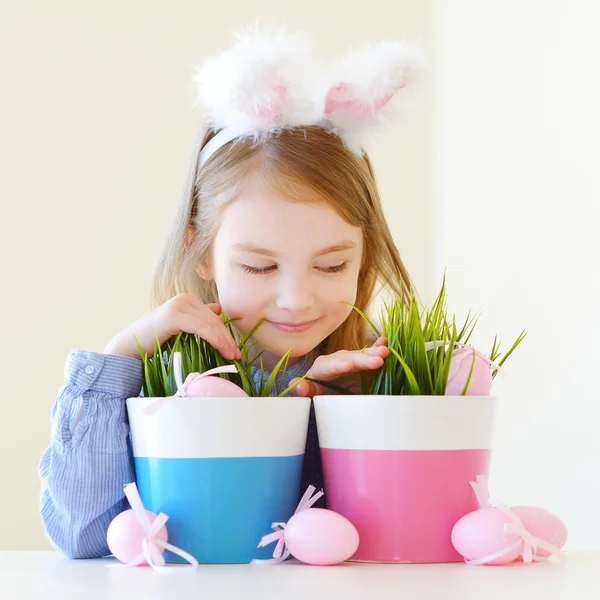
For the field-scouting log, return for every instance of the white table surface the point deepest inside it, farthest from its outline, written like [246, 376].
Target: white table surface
[49, 576]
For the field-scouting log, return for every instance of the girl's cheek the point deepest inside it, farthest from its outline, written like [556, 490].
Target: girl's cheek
[341, 312]
[341, 290]
[239, 299]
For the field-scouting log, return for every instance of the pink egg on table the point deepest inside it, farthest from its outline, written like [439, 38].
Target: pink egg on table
[212, 386]
[317, 536]
[460, 366]
[481, 533]
[125, 534]
[544, 525]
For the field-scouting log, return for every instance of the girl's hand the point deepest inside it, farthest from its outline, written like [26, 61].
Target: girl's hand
[183, 312]
[342, 367]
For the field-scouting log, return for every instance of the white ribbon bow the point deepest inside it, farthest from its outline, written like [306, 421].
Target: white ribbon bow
[150, 544]
[531, 544]
[281, 551]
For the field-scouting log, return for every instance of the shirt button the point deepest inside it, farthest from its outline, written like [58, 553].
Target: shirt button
[90, 369]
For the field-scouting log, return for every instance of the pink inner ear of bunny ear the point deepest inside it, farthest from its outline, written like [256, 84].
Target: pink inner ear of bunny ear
[341, 101]
[272, 107]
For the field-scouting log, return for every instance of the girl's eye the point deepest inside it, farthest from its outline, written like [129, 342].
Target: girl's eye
[265, 270]
[335, 269]
[259, 270]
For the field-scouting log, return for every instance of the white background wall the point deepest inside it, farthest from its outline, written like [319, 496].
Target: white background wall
[96, 130]
[517, 193]
[493, 177]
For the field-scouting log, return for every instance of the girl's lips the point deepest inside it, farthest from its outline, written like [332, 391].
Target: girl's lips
[293, 327]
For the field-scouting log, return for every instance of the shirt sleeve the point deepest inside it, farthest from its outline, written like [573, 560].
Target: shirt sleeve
[89, 460]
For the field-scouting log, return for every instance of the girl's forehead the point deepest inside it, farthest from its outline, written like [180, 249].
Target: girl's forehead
[269, 220]
[266, 207]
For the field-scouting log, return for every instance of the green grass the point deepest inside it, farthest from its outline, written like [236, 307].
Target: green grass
[198, 356]
[421, 343]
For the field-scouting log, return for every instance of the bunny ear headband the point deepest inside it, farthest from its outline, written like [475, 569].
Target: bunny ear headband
[267, 82]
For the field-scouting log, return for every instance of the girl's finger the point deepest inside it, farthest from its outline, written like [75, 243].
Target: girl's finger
[195, 305]
[230, 348]
[210, 313]
[191, 324]
[216, 308]
[303, 388]
[332, 366]
[364, 361]
[309, 389]
[329, 368]
[382, 351]
[214, 332]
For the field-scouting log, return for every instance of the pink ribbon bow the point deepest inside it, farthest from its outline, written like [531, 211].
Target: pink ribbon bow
[150, 551]
[530, 543]
[281, 552]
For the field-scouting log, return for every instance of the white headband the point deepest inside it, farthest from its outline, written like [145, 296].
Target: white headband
[268, 81]
[218, 141]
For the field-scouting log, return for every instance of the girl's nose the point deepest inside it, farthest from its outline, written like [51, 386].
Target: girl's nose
[295, 297]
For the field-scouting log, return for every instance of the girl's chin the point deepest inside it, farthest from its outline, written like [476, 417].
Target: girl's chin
[297, 349]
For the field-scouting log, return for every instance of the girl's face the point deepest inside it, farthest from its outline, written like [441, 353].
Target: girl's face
[291, 263]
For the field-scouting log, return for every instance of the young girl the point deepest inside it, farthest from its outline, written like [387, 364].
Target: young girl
[280, 219]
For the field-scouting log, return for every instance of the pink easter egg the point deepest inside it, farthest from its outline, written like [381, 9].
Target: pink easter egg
[460, 366]
[544, 525]
[211, 386]
[481, 533]
[125, 534]
[317, 536]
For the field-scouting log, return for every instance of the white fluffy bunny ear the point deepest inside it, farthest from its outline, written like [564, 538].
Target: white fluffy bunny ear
[368, 86]
[255, 86]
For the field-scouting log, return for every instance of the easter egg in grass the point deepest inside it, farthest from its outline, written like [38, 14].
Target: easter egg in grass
[207, 384]
[461, 362]
[198, 385]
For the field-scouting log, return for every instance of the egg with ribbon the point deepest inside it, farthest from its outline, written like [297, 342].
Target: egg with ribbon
[203, 385]
[492, 536]
[461, 363]
[138, 536]
[125, 536]
[481, 533]
[497, 534]
[315, 536]
[318, 536]
[206, 385]
[544, 525]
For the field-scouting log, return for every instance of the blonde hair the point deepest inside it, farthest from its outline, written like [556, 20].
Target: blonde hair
[303, 159]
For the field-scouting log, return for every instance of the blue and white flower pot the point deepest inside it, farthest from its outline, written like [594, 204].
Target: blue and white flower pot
[222, 469]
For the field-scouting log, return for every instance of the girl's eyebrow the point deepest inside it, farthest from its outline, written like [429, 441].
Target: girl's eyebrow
[248, 247]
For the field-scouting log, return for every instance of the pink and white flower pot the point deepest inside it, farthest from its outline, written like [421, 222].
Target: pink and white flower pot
[399, 467]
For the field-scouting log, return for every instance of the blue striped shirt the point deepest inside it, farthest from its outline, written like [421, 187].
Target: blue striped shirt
[89, 460]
